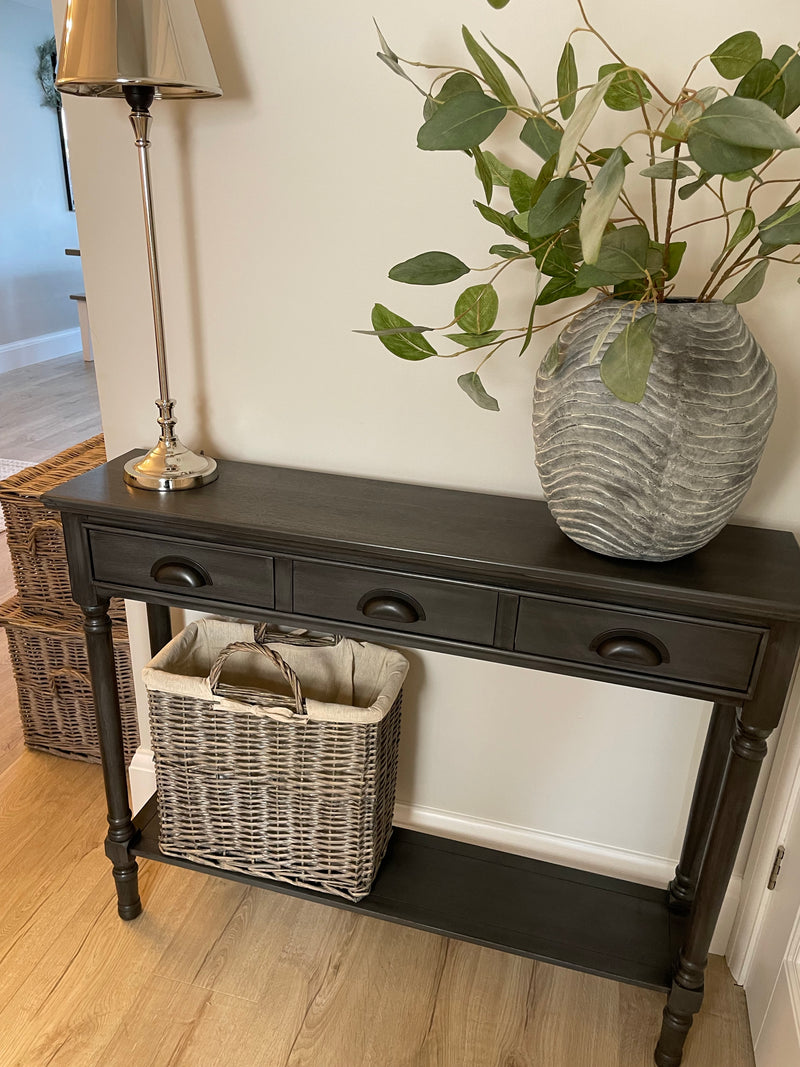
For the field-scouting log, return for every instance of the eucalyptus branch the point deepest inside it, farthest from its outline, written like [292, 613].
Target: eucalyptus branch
[617, 56]
[673, 186]
[709, 290]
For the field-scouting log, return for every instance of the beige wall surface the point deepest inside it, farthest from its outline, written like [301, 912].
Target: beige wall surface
[280, 209]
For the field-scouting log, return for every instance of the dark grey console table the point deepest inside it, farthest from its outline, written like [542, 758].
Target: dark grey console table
[482, 576]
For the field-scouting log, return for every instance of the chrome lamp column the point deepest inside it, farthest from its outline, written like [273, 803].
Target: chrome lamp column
[144, 50]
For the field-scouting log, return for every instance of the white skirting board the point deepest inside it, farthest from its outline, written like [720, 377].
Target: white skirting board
[38, 349]
[551, 848]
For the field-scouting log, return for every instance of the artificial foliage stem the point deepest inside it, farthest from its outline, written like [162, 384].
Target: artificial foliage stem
[618, 57]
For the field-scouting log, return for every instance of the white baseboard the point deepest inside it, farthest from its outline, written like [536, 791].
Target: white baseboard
[551, 848]
[38, 349]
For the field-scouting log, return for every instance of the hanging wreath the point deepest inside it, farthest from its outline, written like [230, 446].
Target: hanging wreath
[46, 73]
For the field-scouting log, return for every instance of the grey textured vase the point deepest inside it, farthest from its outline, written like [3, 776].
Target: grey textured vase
[658, 479]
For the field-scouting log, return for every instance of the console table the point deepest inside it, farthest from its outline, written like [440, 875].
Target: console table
[475, 575]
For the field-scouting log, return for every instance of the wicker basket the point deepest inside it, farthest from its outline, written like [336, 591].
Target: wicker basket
[51, 669]
[35, 537]
[254, 777]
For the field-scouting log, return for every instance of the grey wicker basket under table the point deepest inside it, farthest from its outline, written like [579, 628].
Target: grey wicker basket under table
[254, 777]
[35, 537]
[51, 669]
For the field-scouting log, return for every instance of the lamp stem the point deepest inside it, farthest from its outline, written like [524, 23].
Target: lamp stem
[170, 465]
[141, 120]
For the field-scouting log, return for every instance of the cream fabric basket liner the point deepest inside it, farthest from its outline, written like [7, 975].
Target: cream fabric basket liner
[349, 682]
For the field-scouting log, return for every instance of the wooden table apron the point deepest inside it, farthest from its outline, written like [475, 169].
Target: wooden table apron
[489, 577]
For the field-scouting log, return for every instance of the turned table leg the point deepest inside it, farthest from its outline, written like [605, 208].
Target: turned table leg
[704, 804]
[121, 830]
[159, 627]
[748, 749]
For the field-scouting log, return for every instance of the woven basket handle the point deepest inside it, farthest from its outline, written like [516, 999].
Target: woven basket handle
[37, 527]
[271, 655]
[66, 672]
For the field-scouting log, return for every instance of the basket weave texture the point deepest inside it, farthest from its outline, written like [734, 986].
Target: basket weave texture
[254, 777]
[35, 536]
[51, 669]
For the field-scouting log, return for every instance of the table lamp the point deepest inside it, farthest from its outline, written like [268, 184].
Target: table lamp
[144, 50]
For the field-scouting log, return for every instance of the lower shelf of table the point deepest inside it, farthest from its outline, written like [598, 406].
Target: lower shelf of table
[585, 921]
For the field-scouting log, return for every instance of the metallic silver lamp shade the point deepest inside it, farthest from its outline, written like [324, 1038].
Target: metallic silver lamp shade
[144, 50]
[109, 44]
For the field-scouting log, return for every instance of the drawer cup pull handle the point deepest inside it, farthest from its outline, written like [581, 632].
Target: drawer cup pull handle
[390, 607]
[630, 650]
[179, 572]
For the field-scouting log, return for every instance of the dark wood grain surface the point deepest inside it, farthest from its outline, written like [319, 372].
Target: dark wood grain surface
[480, 537]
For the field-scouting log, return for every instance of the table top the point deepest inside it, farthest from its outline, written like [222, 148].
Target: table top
[504, 540]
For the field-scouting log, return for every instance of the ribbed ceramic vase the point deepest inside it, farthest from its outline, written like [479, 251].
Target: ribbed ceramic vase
[658, 479]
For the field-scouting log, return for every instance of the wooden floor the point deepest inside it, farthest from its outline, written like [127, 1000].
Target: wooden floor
[47, 407]
[213, 973]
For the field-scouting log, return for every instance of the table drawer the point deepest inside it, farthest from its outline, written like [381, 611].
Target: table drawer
[395, 601]
[187, 568]
[713, 654]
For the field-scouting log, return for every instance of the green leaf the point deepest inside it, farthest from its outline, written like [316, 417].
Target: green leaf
[541, 136]
[498, 219]
[521, 186]
[600, 201]
[579, 123]
[674, 256]
[567, 81]
[507, 251]
[516, 69]
[388, 52]
[623, 255]
[461, 122]
[600, 340]
[598, 158]
[429, 268]
[749, 286]
[553, 359]
[750, 123]
[687, 113]
[788, 62]
[627, 91]
[476, 309]
[716, 156]
[745, 226]
[473, 387]
[552, 259]
[544, 179]
[734, 57]
[625, 366]
[411, 345]
[691, 188]
[558, 205]
[474, 340]
[501, 172]
[763, 82]
[668, 169]
[484, 173]
[782, 227]
[559, 288]
[460, 82]
[489, 69]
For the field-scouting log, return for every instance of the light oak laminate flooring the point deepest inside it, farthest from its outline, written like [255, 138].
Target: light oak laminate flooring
[10, 730]
[47, 407]
[214, 973]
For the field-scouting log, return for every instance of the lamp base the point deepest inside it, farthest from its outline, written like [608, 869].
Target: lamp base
[170, 467]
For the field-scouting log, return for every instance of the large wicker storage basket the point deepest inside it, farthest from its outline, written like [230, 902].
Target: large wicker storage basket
[35, 538]
[263, 774]
[51, 669]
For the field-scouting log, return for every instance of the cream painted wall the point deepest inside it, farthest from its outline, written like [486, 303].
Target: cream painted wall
[280, 209]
